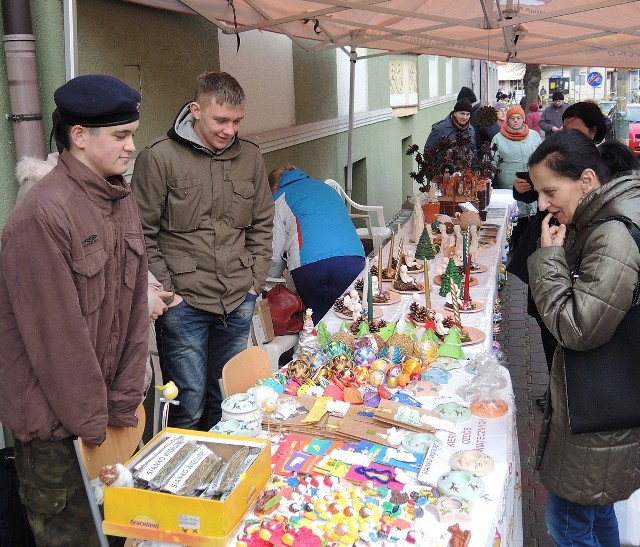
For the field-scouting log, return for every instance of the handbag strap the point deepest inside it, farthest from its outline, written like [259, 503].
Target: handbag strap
[635, 234]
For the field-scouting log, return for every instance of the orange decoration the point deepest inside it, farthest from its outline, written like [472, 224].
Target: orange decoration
[489, 409]
[404, 379]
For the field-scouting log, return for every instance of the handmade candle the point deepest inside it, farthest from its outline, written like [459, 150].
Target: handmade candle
[390, 263]
[427, 288]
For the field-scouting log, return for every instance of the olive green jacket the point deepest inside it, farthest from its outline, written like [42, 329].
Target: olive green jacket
[207, 217]
[594, 468]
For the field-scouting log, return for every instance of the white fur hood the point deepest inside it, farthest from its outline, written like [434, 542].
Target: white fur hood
[31, 170]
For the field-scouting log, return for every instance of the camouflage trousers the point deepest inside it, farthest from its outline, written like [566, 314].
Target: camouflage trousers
[52, 490]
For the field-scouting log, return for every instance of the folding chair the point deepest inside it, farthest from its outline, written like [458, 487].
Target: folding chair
[119, 446]
[378, 232]
[241, 372]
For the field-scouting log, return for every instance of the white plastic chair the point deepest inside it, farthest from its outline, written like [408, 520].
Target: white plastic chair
[378, 232]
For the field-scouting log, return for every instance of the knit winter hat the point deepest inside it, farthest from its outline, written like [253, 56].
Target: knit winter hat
[463, 105]
[515, 110]
[499, 105]
[533, 107]
[467, 93]
[557, 96]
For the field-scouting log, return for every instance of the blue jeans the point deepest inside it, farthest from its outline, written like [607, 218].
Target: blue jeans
[574, 525]
[320, 283]
[194, 345]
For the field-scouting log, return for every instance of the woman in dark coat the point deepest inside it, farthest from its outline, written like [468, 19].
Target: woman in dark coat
[582, 307]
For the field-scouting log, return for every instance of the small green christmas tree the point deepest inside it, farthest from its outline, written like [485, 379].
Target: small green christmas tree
[424, 248]
[451, 273]
[452, 345]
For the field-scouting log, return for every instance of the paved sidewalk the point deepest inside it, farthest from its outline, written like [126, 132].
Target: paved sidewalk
[519, 337]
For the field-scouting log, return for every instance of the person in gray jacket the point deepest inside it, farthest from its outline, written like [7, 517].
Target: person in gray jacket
[551, 119]
[207, 217]
[457, 125]
[586, 473]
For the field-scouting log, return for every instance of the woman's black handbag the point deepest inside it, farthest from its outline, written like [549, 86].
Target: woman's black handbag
[603, 384]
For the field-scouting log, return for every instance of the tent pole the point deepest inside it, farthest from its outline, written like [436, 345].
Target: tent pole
[352, 80]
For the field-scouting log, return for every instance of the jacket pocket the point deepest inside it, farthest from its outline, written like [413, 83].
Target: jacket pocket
[44, 501]
[183, 204]
[89, 277]
[133, 251]
[180, 264]
[242, 212]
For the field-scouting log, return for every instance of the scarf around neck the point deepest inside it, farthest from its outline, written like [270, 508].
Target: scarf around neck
[457, 125]
[515, 135]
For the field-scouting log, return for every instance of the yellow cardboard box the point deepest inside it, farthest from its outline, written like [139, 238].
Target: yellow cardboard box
[182, 520]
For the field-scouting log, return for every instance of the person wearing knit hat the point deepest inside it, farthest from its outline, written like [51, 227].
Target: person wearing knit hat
[501, 109]
[551, 119]
[74, 319]
[467, 93]
[514, 144]
[457, 123]
[533, 119]
[463, 105]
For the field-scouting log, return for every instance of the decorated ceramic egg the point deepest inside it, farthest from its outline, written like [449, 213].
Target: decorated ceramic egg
[380, 364]
[299, 370]
[427, 350]
[393, 353]
[411, 366]
[364, 356]
[336, 348]
[394, 371]
[361, 374]
[392, 381]
[376, 377]
[367, 340]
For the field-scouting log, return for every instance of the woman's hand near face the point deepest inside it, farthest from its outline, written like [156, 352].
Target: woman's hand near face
[552, 236]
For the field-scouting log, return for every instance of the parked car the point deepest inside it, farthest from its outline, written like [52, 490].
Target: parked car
[633, 115]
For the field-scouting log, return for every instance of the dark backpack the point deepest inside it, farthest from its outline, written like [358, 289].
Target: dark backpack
[14, 526]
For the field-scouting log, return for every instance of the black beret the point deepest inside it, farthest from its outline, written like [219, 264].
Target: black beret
[97, 100]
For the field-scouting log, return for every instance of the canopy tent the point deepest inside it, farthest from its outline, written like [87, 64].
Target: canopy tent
[557, 32]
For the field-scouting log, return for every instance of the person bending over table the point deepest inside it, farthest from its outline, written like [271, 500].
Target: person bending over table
[314, 238]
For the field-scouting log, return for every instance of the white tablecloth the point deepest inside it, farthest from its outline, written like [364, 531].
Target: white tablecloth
[500, 514]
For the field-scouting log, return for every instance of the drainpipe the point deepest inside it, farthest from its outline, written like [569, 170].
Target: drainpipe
[22, 75]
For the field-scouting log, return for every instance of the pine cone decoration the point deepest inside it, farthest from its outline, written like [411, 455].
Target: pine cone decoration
[359, 285]
[417, 312]
[402, 286]
[339, 306]
[385, 275]
[487, 116]
[374, 326]
[448, 321]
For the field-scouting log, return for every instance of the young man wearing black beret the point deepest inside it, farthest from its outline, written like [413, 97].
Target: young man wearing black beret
[73, 306]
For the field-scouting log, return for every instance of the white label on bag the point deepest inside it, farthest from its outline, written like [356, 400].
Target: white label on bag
[181, 476]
